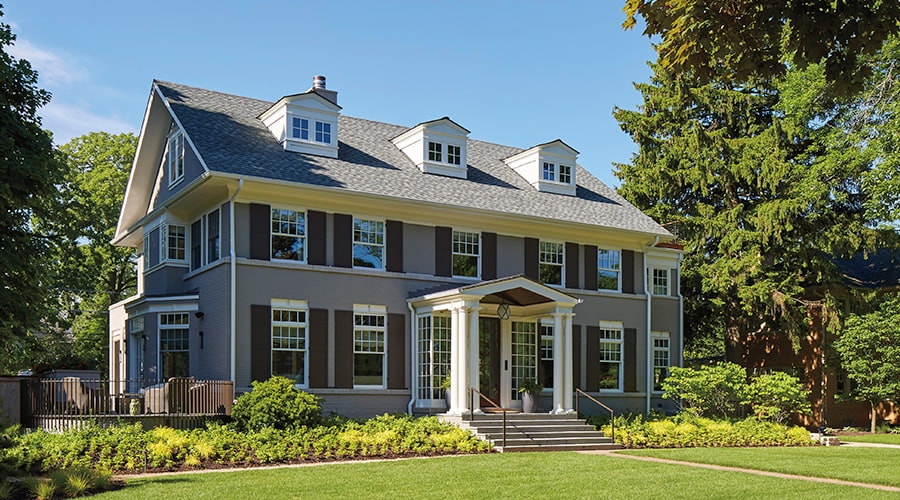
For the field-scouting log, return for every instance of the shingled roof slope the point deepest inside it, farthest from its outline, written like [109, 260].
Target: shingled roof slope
[228, 136]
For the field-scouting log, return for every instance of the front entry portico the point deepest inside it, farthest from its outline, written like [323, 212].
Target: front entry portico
[491, 336]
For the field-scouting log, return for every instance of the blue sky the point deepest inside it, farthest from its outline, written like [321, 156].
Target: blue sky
[516, 73]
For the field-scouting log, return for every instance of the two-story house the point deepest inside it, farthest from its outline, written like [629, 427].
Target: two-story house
[369, 262]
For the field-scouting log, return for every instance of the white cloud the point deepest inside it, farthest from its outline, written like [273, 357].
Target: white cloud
[53, 70]
[67, 122]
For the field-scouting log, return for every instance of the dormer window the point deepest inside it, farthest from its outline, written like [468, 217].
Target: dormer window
[547, 167]
[175, 157]
[436, 147]
[323, 132]
[300, 129]
[307, 122]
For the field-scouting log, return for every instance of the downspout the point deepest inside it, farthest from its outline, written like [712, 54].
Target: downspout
[649, 354]
[233, 265]
[413, 356]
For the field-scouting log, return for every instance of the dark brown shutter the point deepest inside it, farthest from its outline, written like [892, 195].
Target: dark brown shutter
[443, 251]
[629, 360]
[260, 342]
[488, 256]
[572, 265]
[396, 351]
[576, 357]
[532, 268]
[394, 246]
[153, 258]
[592, 369]
[343, 349]
[673, 282]
[260, 231]
[590, 267]
[343, 240]
[318, 348]
[627, 271]
[318, 243]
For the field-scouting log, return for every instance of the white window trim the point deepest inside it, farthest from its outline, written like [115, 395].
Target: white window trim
[559, 168]
[478, 256]
[651, 275]
[615, 325]
[202, 248]
[176, 175]
[542, 324]
[427, 368]
[304, 236]
[562, 265]
[311, 123]
[206, 236]
[653, 349]
[618, 272]
[372, 310]
[164, 243]
[292, 305]
[383, 245]
[160, 327]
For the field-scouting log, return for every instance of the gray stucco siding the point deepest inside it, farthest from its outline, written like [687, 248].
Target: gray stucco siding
[213, 360]
[665, 315]
[242, 229]
[418, 254]
[510, 256]
[166, 279]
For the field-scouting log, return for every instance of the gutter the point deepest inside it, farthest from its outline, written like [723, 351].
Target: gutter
[233, 266]
[649, 354]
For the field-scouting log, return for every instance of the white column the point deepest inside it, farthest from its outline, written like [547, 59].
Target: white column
[461, 368]
[472, 309]
[559, 384]
[455, 372]
[570, 364]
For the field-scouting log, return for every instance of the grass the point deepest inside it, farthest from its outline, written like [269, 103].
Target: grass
[859, 464]
[873, 438]
[521, 475]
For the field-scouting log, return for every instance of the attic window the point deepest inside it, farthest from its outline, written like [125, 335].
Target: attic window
[548, 167]
[175, 157]
[434, 151]
[453, 154]
[565, 174]
[436, 147]
[300, 130]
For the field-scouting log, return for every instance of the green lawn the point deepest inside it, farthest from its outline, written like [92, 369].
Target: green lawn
[520, 475]
[873, 438]
[859, 464]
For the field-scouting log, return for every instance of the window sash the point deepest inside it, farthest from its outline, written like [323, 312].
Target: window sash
[174, 238]
[608, 269]
[369, 348]
[660, 281]
[524, 354]
[610, 355]
[454, 156]
[548, 172]
[174, 345]
[288, 239]
[176, 157]
[434, 151]
[300, 128]
[434, 355]
[323, 132]
[368, 243]
[551, 263]
[289, 344]
[197, 244]
[466, 254]
[212, 236]
[565, 174]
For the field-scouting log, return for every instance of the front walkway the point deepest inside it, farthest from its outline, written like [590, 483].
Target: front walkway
[753, 471]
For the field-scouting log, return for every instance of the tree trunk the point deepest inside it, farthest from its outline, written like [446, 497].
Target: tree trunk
[874, 415]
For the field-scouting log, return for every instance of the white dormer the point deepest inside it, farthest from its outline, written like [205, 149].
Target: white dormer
[436, 147]
[307, 122]
[549, 167]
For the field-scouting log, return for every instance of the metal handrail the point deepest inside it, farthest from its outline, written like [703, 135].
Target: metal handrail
[504, 411]
[612, 413]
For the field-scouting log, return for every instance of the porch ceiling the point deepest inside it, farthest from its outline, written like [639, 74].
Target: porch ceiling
[516, 296]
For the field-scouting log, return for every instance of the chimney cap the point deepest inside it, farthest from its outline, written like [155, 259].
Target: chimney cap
[319, 82]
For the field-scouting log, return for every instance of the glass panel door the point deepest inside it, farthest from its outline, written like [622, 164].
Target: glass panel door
[524, 354]
[489, 359]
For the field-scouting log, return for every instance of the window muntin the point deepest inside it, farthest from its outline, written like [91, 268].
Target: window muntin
[659, 284]
[565, 174]
[212, 236]
[551, 262]
[466, 252]
[454, 154]
[546, 352]
[548, 172]
[323, 132]
[610, 358]
[524, 354]
[660, 359]
[300, 128]
[197, 244]
[368, 350]
[434, 355]
[174, 345]
[289, 340]
[609, 269]
[288, 235]
[368, 243]
[173, 236]
[175, 157]
[434, 151]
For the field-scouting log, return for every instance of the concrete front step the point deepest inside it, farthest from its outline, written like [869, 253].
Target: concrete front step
[536, 432]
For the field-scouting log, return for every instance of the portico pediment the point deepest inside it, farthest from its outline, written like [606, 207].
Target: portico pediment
[514, 290]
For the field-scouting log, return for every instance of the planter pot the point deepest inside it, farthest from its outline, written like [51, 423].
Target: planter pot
[447, 398]
[529, 402]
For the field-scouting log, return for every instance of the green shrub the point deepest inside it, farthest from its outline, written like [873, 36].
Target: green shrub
[276, 403]
[775, 396]
[687, 431]
[710, 391]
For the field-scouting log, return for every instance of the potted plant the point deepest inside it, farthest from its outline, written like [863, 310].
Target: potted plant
[445, 387]
[530, 390]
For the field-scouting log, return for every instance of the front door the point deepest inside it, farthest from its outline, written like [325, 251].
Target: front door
[489, 359]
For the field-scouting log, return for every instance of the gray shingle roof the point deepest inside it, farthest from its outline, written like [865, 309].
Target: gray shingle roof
[230, 139]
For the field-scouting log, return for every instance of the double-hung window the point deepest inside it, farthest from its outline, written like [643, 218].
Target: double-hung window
[546, 352]
[289, 357]
[659, 281]
[288, 235]
[300, 128]
[548, 173]
[174, 345]
[660, 358]
[551, 263]
[197, 244]
[435, 151]
[175, 157]
[434, 355]
[368, 243]
[466, 253]
[212, 236]
[609, 269]
[610, 356]
[369, 331]
[173, 237]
